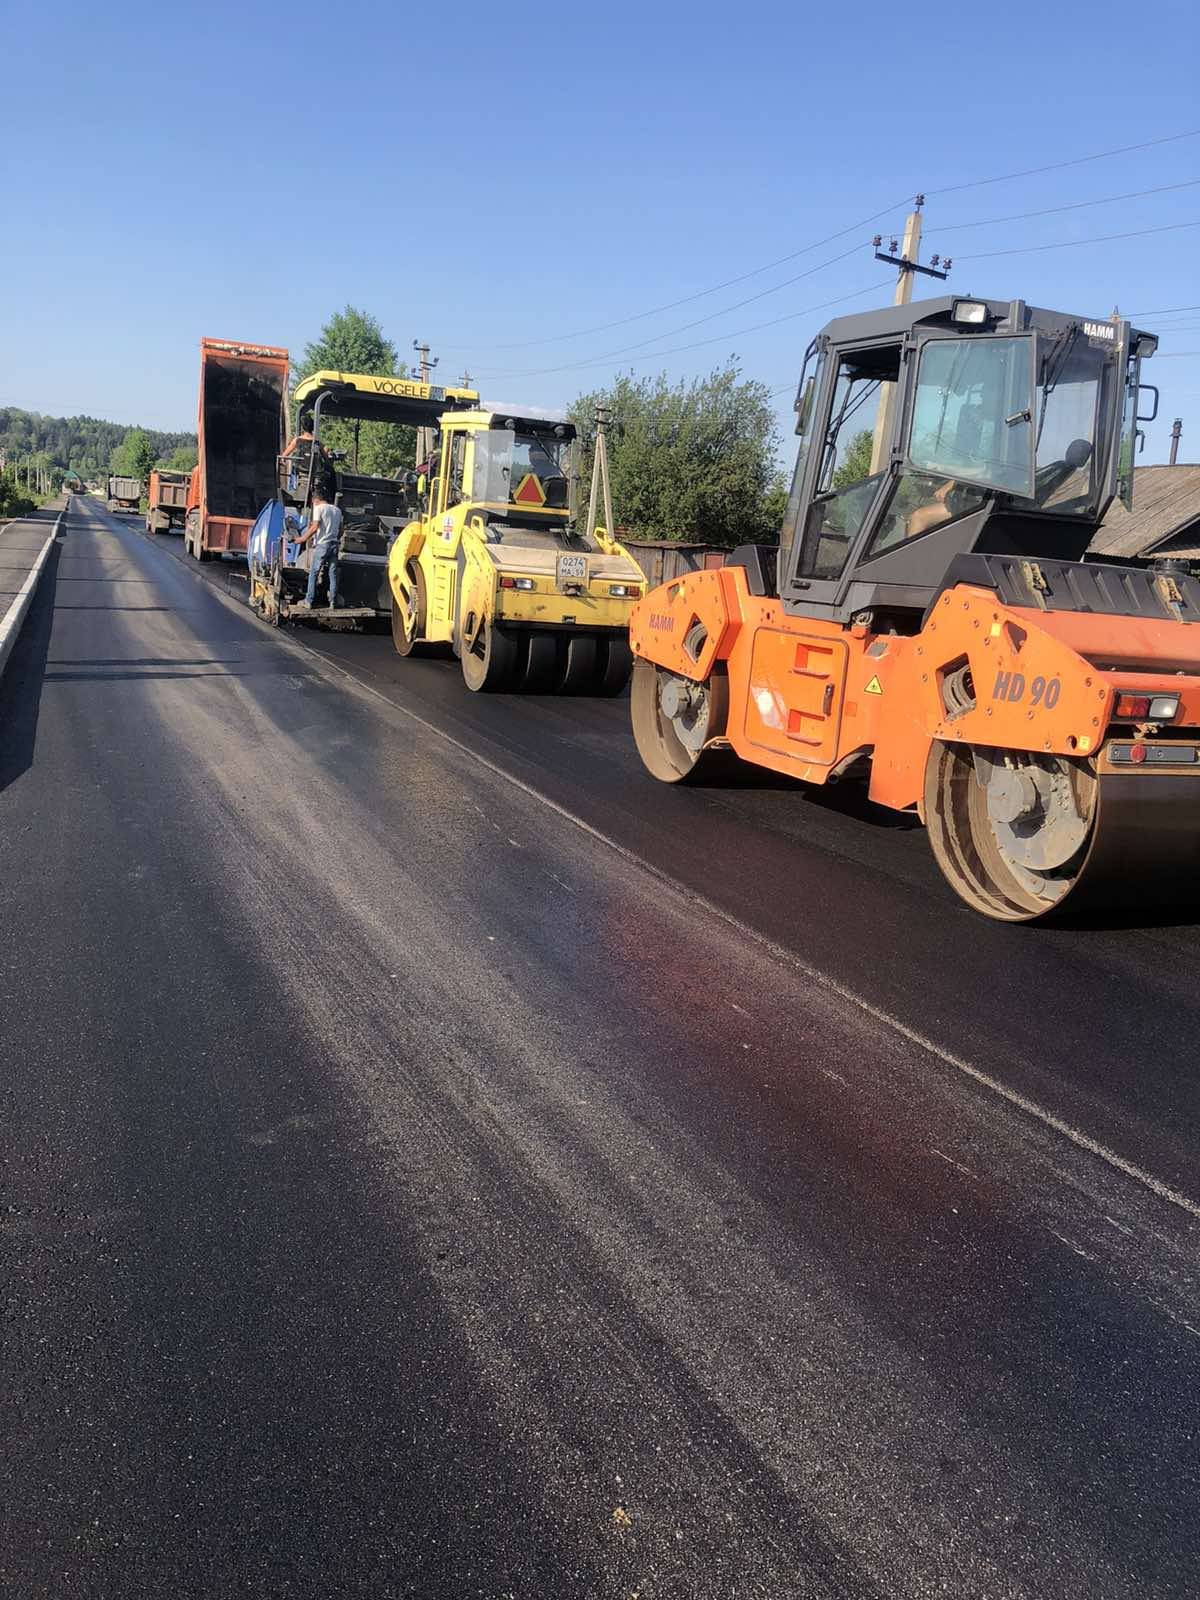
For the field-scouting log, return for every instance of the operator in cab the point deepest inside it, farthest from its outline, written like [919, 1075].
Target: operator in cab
[324, 532]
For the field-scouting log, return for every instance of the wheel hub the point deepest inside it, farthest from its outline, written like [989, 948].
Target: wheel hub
[1037, 818]
[685, 706]
[1012, 796]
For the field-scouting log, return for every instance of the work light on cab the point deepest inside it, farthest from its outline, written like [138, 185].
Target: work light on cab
[972, 313]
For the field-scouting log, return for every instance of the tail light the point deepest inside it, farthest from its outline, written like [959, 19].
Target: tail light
[1132, 707]
[625, 591]
[517, 583]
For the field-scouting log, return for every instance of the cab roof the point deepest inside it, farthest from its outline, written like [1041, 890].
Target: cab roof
[521, 418]
[1003, 316]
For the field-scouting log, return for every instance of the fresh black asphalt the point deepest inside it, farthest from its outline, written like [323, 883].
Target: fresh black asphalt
[408, 1191]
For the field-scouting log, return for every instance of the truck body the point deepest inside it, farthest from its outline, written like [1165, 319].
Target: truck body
[123, 494]
[166, 500]
[240, 425]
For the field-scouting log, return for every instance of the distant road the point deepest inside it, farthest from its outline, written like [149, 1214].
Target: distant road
[440, 1161]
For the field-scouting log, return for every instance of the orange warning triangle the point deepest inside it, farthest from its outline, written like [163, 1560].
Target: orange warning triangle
[530, 491]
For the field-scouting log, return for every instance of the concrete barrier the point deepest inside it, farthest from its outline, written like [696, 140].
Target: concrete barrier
[10, 623]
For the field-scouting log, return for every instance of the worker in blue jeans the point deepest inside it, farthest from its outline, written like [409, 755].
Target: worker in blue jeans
[324, 532]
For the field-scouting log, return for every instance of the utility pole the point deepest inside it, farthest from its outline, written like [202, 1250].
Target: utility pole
[600, 476]
[1176, 432]
[908, 264]
[465, 380]
[426, 366]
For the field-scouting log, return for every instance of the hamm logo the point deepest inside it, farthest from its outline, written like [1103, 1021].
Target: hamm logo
[661, 623]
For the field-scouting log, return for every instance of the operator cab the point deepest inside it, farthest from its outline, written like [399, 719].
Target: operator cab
[945, 431]
[518, 471]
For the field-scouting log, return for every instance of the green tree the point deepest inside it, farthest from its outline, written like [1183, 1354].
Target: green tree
[181, 459]
[135, 455]
[353, 341]
[689, 460]
[856, 463]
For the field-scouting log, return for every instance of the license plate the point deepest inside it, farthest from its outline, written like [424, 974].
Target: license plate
[571, 569]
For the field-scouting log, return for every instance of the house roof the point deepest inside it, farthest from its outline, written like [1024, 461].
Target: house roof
[1166, 501]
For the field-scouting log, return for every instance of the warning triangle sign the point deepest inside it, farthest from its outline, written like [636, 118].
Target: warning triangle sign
[529, 491]
[874, 687]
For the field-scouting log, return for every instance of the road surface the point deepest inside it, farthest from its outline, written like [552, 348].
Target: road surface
[439, 1161]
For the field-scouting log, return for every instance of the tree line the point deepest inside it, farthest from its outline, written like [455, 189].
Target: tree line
[86, 445]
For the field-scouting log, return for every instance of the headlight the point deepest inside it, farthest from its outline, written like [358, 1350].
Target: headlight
[972, 312]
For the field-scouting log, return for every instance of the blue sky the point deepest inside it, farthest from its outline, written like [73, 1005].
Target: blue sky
[495, 179]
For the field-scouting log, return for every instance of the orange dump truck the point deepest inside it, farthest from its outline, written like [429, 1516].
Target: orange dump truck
[241, 425]
[166, 500]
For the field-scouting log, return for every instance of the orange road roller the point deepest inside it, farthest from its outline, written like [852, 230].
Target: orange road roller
[931, 619]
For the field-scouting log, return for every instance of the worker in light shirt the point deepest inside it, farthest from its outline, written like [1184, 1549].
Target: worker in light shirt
[324, 533]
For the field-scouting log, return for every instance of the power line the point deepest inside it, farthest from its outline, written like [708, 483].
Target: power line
[1076, 205]
[1059, 166]
[1066, 244]
[727, 283]
[736, 333]
[686, 327]
[1165, 311]
[700, 294]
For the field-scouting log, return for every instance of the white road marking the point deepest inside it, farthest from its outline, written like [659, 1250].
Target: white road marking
[1074, 1248]
[1031, 1108]
[954, 1163]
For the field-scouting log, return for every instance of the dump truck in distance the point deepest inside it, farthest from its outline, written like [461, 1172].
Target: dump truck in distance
[166, 500]
[241, 424]
[124, 494]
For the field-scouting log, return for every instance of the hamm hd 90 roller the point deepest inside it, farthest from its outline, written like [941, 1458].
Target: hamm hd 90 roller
[930, 619]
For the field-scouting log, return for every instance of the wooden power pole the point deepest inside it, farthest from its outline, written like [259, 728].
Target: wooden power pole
[425, 368]
[907, 264]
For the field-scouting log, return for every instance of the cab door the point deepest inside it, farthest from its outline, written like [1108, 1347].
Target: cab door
[845, 470]
[445, 529]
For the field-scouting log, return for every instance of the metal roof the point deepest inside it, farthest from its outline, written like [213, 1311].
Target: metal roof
[1166, 503]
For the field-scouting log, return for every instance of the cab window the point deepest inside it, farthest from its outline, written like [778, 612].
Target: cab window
[456, 469]
[921, 502]
[855, 453]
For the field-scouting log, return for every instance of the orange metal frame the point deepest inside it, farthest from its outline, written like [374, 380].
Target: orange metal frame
[806, 695]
